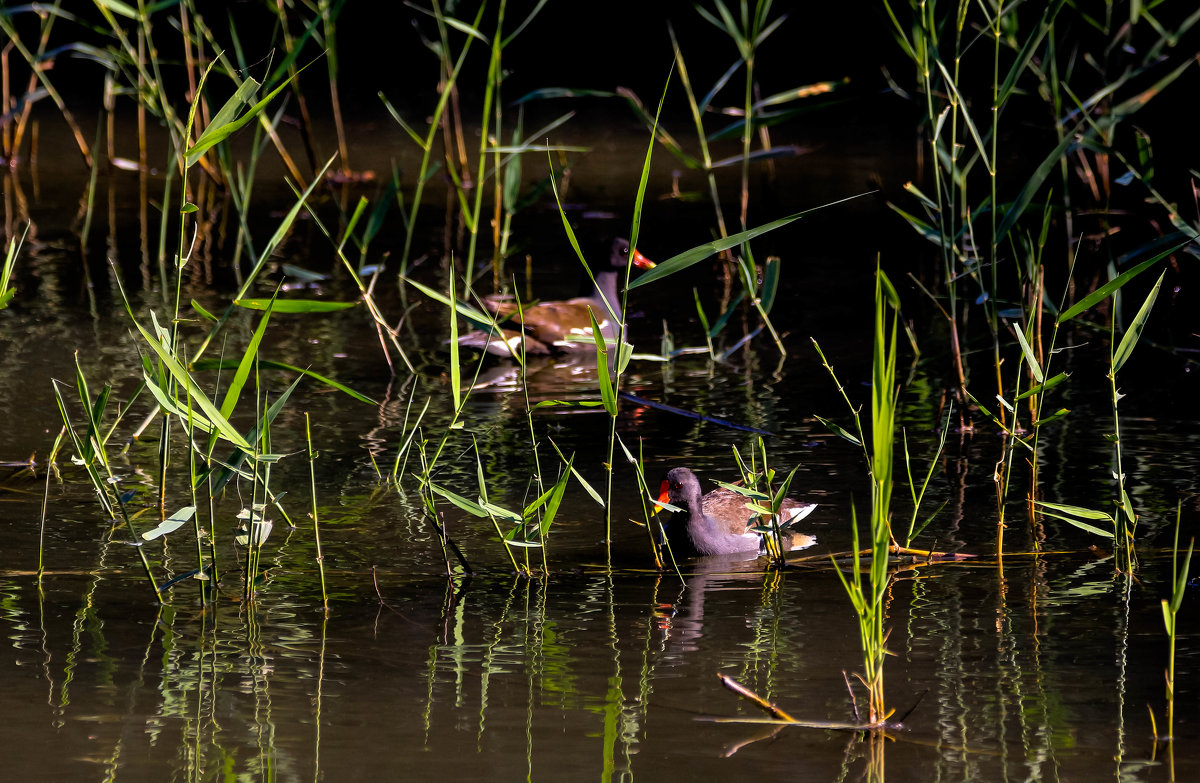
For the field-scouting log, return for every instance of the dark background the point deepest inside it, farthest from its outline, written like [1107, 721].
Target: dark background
[601, 46]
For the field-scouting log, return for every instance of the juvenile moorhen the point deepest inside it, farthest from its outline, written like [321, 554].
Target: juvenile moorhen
[717, 523]
[550, 326]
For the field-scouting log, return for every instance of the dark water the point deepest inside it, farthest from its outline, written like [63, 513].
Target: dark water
[1030, 667]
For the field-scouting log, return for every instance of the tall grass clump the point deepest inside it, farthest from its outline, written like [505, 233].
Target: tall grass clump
[188, 408]
[494, 161]
[748, 31]
[867, 595]
[748, 27]
[996, 217]
[977, 65]
[1122, 521]
[517, 531]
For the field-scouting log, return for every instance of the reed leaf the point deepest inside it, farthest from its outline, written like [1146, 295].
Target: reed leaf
[927, 231]
[230, 466]
[1134, 332]
[1078, 511]
[215, 134]
[1181, 582]
[1041, 387]
[184, 379]
[1101, 293]
[1058, 414]
[223, 364]
[478, 318]
[719, 325]
[697, 254]
[470, 507]
[295, 305]
[770, 283]
[587, 487]
[962, 107]
[840, 431]
[171, 523]
[554, 500]
[1081, 525]
[7, 292]
[1028, 50]
[119, 8]
[1034, 366]
[245, 365]
[607, 394]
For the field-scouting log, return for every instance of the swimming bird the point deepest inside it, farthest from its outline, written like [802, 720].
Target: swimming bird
[562, 326]
[719, 523]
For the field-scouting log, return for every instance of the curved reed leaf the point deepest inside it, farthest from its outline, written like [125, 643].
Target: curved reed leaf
[117, 7]
[770, 283]
[838, 430]
[1034, 366]
[607, 394]
[171, 523]
[1081, 525]
[468, 506]
[215, 134]
[1129, 341]
[1078, 511]
[222, 364]
[1041, 387]
[962, 107]
[181, 376]
[295, 305]
[1101, 293]
[700, 252]
[563, 92]
[1058, 414]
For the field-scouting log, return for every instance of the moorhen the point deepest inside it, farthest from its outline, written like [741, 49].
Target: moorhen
[717, 523]
[550, 326]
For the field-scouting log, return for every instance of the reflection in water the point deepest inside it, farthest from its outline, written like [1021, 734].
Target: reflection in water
[1034, 670]
[600, 672]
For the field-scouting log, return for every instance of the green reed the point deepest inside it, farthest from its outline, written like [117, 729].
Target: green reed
[1123, 521]
[517, 531]
[987, 233]
[748, 31]
[763, 500]
[7, 289]
[867, 596]
[91, 451]
[656, 535]
[1170, 610]
[1032, 55]
[918, 495]
[610, 369]
[181, 401]
[451, 66]
[39, 77]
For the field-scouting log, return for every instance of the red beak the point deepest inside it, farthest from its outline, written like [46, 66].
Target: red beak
[664, 495]
[640, 261]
